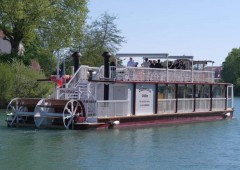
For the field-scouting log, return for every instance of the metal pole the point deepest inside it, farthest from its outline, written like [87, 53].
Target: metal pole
[58, 61]
[167, 68]
[192, 70]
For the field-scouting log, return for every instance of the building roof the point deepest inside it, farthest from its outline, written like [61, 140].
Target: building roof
[1, 34]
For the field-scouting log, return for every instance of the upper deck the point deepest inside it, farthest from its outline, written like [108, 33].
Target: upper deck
[193, 71]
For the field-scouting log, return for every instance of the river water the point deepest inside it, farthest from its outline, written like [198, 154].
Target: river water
[209, 145]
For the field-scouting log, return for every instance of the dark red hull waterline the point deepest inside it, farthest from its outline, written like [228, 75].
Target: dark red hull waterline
[153, 120]
[139, 121]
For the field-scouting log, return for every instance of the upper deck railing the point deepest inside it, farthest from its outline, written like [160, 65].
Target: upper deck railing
[156, 75]
[164, 74]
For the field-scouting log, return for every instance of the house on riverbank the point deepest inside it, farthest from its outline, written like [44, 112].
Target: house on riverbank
[5, 45]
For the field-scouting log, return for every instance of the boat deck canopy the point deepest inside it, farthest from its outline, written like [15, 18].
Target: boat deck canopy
[152, 55]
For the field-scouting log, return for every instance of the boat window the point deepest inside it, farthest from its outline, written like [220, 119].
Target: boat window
[218, 91]
[189, 91]
[185, 91]
[206, 91]
[181, 91]
[166, 91]
[199, 91]
[230, 92]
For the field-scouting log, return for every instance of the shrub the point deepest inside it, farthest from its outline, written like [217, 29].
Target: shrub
[6, 83]
[18, 80]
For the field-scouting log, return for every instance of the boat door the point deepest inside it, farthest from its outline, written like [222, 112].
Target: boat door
[145, 97]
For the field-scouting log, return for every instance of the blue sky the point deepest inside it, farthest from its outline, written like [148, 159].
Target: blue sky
[205, 29]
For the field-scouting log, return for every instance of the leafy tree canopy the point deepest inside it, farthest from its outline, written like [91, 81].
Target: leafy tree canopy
[231, 69]
[58, 23]
[99, 36]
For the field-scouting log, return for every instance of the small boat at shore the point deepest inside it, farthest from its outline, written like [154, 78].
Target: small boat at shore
[179, 90]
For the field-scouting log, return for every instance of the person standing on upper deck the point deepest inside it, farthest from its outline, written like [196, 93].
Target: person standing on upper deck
[145, 63]
[158, 64]
[131, 63]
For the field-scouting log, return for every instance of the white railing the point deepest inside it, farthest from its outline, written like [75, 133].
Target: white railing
[203, 76]
[202, 104]
[99, 73]
[67, 93]
[218, 103]
[143, 74]
[166, 106]
[80, 75]
[179, 75]
[185, 105]
[157, 74]
[107, 108]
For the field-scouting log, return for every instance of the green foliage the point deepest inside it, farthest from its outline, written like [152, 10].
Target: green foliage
[18, 80]
[237, 87]
[25, 82]
[8, 58]
[231, 69]
[20, 19]
[99, 36]
[7, 82]
[58, 23]
[64, 26]
[43, 56]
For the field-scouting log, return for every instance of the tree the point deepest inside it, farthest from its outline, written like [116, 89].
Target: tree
[58, 23]
[43, 56]
[102, 35]
[64, 27]
[34, 52]
[231, 69]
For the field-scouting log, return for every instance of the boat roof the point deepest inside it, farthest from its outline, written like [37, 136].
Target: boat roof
[161, 56]
[152, 55]
[202, 61]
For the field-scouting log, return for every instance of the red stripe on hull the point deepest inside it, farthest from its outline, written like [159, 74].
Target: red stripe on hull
[161, 121]
[168, 122]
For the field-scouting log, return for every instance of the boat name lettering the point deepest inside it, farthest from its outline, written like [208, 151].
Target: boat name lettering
[145, 89]
[145, 105]
[144, 101]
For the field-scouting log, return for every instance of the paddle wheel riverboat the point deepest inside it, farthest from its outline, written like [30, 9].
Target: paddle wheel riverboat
[118, 96]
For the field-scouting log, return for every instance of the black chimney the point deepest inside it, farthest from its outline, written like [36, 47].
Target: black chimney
[76, 56]
[106, 56]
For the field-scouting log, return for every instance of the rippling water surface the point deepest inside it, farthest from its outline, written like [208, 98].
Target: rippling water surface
[209, 145]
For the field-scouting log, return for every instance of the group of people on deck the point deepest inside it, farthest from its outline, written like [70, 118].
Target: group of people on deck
[177, 64]
[146, 63]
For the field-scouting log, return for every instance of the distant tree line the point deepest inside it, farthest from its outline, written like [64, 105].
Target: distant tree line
[231, 70]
